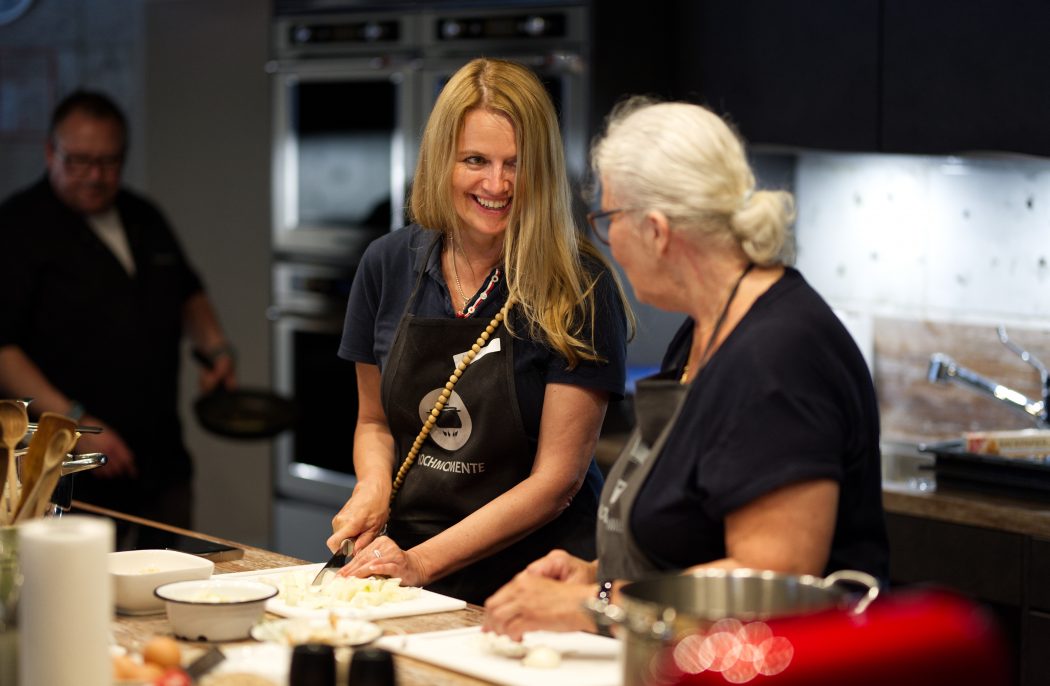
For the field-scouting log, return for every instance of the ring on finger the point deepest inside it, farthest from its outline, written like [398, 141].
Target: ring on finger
[377, 553]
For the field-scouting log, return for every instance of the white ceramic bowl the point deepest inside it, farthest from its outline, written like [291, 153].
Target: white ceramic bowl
[137, 573]
[215, 609]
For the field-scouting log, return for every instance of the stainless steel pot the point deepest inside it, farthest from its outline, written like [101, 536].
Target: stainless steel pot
[657, 613]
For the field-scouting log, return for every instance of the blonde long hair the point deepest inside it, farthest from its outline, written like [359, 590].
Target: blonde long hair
[542, 246]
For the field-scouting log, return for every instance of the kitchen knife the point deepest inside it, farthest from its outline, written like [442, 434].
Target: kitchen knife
[204, 664]
[337, 562]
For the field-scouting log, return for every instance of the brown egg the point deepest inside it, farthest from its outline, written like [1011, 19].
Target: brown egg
[125, 668]
[162, 651]
[150, 671]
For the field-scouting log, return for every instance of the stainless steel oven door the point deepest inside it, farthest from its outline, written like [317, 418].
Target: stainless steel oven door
[343, 149]
[314, 462]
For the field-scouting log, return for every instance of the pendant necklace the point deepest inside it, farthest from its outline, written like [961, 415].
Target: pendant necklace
[455, 272]
[718, 326]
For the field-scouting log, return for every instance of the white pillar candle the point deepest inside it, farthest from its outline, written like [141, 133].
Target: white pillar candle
[66, 605]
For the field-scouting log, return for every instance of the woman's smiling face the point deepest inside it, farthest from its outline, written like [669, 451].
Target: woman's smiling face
[483, 176]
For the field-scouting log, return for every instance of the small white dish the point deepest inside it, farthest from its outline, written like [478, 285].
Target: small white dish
[267, 660]
[341, 632]
[215, 609]
[136, 574]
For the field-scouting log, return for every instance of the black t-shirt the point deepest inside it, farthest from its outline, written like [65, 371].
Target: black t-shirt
[787, 397]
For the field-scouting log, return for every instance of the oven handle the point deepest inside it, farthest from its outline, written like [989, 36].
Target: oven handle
[382, 64]
[276, 313]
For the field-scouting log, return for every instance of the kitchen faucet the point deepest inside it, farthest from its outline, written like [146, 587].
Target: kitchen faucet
[943, 369]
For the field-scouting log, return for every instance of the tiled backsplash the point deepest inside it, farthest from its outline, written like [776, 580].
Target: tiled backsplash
[934, 252]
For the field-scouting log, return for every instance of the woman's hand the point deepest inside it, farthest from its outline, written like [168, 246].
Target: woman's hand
[365, 514]
[383, 557]
[530, 602]
[362, 518]
[561, 566]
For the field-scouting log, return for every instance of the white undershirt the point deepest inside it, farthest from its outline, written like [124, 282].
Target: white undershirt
[110, 230]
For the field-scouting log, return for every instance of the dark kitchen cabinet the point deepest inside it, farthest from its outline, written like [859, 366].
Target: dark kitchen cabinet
[631, 54]
[1008, 573]
[907, 76]
[965, 75]
[800, 74]
[1036, 666]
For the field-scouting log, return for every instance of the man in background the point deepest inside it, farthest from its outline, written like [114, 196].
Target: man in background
[95, 299]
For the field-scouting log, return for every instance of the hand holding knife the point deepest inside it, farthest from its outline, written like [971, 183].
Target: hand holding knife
[336, 562]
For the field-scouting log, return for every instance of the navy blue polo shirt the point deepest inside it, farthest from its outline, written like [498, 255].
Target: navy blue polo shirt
[386, 276]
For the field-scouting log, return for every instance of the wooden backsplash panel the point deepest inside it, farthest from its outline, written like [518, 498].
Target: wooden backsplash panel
[913, 409]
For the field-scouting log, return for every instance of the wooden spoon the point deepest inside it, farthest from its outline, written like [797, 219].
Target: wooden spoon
[51, 429]
[55, 438]
[13, 425]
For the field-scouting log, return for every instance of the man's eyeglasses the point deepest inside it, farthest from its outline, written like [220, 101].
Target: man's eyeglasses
[81, 165]
[600, 221]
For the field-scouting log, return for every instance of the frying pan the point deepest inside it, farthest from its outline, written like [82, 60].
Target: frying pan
[244, 413]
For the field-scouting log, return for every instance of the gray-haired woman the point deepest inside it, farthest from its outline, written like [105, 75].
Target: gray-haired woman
[758, 443]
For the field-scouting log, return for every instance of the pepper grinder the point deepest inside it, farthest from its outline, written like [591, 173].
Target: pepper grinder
[371, 667]
[313, 664]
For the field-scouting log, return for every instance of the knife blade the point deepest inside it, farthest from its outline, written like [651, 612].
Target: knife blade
[336, 562]
[204, 664]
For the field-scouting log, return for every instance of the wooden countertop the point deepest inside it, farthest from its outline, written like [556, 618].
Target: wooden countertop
[909, 487]
[132, 632]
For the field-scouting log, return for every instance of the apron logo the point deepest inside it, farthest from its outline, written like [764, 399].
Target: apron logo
[611, 524]
[492, 347]
[453, 426]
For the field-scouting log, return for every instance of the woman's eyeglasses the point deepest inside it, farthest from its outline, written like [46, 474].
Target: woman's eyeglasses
[600, 221]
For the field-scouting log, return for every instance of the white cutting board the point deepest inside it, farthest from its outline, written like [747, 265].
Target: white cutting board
[425, 603]
[587, 659]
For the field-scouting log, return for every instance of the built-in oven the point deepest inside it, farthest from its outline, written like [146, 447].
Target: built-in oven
[313, 464]
[345, 114]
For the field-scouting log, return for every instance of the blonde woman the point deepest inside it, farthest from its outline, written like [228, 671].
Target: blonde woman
[488, 338]
[758, 443]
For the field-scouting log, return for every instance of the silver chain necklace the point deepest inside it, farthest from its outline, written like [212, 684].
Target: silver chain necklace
[455, 270]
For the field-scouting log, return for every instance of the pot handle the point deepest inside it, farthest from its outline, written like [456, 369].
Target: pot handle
[851, 576]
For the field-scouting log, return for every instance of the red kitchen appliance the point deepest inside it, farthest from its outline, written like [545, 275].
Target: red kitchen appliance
[908, 638]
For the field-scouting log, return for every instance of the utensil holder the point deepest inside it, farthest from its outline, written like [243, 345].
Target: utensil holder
[10, 590]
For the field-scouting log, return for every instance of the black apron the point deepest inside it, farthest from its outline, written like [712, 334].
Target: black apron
[477, 450]
[658, 401]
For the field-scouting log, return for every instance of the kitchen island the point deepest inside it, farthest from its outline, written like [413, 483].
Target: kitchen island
[990, 545]
[133, 632]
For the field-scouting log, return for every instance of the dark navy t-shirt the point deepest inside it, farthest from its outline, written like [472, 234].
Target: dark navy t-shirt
[384, 281]
[787, 398]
